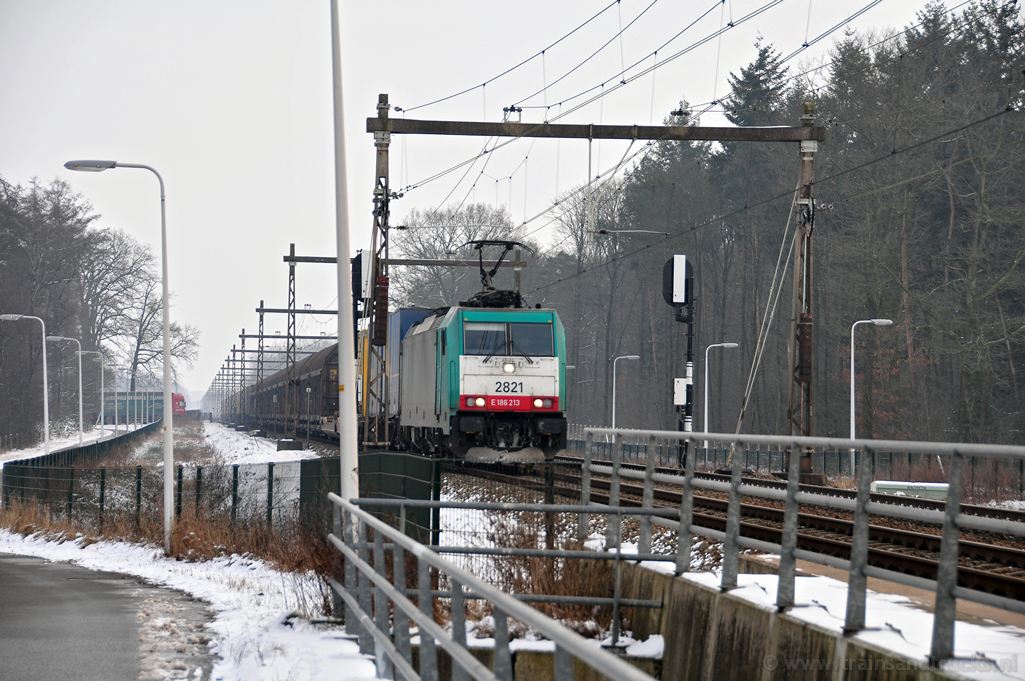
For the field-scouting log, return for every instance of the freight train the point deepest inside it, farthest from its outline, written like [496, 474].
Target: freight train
[481, 380]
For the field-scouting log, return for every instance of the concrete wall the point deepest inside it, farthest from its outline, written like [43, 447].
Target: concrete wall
[534, 665]
[715, 636]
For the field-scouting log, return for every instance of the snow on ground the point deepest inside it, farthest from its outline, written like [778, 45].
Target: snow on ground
[57, 444]
[893, 623]
[1010, 505]
[240, 447]
[254, 637]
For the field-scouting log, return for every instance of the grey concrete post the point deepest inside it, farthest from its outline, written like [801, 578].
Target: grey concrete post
[684, 538]
[731, 549]
[613, 529]
[503, 658]
[648, 496]
[385, 669]
[428, 650]
[857, 580]
[458, 628]
[945, 616]
[585, 486]
[787, 558]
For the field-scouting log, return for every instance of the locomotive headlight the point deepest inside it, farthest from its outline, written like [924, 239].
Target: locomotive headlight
[508, 367]
[479, 401]
[538, 403]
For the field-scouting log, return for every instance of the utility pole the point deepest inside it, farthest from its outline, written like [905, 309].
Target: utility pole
[800, 347]
[259, 348]
[375, 360]
[245, 407]
[290, 341]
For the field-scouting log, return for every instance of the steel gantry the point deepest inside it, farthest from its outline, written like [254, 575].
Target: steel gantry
[808, 135]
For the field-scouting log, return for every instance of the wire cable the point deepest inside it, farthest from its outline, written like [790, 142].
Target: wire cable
[680, 53]
[516, 66]
[775, 197]
[587, 58]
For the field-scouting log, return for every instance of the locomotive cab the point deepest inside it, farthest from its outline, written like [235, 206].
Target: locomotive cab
[485, 384]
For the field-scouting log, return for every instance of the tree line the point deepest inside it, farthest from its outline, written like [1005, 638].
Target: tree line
[919, 217]
[98, 285]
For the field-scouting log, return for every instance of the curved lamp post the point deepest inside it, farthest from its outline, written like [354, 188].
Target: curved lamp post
[58, 339]
[46, 393]
[95, 167]
[707, 348]
[874, 322]
[614, 362]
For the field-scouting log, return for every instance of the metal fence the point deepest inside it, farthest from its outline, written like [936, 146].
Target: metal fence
[391, 582]
[944, 586]
[89, 452]
[984, 479]
[277, 494]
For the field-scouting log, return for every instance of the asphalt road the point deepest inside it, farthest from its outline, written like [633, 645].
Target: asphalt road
[62, 622]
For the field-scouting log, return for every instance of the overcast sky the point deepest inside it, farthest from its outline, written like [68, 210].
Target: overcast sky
[231, 101]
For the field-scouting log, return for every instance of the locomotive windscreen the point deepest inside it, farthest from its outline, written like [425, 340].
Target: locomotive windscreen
[531, 339]
[498, 338]
[484, 338]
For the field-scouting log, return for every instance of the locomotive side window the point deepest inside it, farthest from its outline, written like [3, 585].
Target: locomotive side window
[531, 339]
[484, 338]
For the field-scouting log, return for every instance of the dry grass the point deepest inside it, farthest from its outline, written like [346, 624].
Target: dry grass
[290, 548]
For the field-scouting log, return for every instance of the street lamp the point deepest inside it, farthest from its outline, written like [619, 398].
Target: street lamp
[97, 166]
[103, 422]
[608, 232]
[46, 393]
[614, 362]
[707, 348]
[874, 322]
[348, 468]
[58, 339]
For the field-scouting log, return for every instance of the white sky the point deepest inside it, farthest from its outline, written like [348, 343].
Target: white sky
[231, 101]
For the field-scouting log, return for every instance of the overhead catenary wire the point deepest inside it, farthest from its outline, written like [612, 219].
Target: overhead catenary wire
[775, 197]
[588, 58]
[775, 290]
[708, 105]
[517, 65]
[655, 65]
[627, 81]
[874, 45]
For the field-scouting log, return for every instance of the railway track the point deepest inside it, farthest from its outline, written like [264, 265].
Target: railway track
[984, 567]
[911, 502]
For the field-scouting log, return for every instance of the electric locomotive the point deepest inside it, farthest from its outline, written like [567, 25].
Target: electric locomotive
[486, 379]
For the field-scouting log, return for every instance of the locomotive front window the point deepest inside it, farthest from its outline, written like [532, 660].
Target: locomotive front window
[484, 338]
[531, 339]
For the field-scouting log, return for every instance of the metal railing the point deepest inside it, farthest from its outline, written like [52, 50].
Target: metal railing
[1000, 479]
[379, 608]
[951, 519]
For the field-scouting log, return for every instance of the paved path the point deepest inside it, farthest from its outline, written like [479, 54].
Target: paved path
[60, 621]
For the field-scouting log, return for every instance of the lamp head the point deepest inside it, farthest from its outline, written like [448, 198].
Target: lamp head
[631, 356]
[730, 345]
[56, 338]
[10, 317]
[882, 322]
[90, 166]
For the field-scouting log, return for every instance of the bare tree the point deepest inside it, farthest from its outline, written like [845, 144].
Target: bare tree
[439, 234]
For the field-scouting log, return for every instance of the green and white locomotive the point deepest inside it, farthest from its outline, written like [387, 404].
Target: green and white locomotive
[485, 379]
